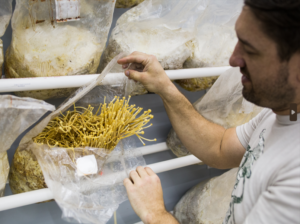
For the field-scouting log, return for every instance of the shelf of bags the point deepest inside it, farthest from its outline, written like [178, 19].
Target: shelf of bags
[32, 197]
[60, 82]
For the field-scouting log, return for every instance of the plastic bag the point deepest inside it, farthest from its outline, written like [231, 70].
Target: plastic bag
[5, 14]
[127, 3]
[215, 41]
[87, 183]
[207, 202]
[25, 173]
[223, 104]
[57, 38]
[17, 115]
[164, 28]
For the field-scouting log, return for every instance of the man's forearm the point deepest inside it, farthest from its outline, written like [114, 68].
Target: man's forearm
[201, 137]
[210, 142]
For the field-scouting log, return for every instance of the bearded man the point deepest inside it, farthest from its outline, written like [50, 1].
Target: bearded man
[266, 149]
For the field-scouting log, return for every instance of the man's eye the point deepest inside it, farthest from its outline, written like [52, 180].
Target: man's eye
[250, 53]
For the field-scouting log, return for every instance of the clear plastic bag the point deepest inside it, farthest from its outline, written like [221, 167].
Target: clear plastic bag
[5, 14]
[127, 3]
[17, 115]
[117, 79]
[207, 202]
[164, 28]
[57, 38]
[92, 195]
[215, 41]
[223, 104]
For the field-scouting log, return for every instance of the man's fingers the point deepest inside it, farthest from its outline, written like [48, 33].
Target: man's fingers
[125, 66]
[138, 58]
[141, 171]
[149, 171]
[134, 176]
[127, 182]
[136, 67]
[136, 76]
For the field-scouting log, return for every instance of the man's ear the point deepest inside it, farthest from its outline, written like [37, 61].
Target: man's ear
[298, 68]
[294, 70]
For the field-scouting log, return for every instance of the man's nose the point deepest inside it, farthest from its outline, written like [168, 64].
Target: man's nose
[236, 59]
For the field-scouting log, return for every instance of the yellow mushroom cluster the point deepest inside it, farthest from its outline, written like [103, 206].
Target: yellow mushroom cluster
[82, 127]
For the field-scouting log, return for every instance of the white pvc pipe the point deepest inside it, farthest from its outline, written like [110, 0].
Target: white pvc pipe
[59, 82]
[150, 149]
[28, 198]
[37, 196]
[173, 164]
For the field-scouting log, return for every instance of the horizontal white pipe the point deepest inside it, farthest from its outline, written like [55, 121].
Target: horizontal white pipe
[41, 195]
[60, 82]
[150, 149]
[28, 198]
[173, 164]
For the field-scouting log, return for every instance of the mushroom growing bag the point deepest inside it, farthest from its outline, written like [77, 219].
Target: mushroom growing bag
[17, 115]
[207, 202]
[5, 14]
[57, 38]
[214, 42]
[84, 161]
[163, 28]
[224, 105]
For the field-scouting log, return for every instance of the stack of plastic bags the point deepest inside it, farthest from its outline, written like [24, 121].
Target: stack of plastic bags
[17, 115]
[224, 105]
[57, 38]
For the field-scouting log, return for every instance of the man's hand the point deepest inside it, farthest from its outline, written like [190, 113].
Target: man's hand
[147, 70]
[146, 196]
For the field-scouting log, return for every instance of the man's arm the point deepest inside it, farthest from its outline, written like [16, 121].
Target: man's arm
[210, 142]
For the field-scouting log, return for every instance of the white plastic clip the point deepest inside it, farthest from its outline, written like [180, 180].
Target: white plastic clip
[86, 165]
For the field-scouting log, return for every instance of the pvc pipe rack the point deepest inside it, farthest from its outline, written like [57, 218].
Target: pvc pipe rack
[32, 197]
[42, 83]
[60, 82]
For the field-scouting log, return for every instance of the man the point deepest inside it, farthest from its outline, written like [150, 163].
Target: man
[267, 149]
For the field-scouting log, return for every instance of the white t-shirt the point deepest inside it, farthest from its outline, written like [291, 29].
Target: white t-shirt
[267, 188]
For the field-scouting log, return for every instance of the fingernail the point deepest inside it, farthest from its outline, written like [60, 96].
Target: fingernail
[127, 73]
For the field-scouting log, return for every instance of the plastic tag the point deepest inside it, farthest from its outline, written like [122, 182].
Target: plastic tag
[86, 165]
[67, 10]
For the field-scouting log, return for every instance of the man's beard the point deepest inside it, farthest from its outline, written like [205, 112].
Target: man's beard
[276, 94]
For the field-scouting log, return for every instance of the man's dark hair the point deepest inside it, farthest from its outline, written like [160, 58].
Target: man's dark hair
[281, 22]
